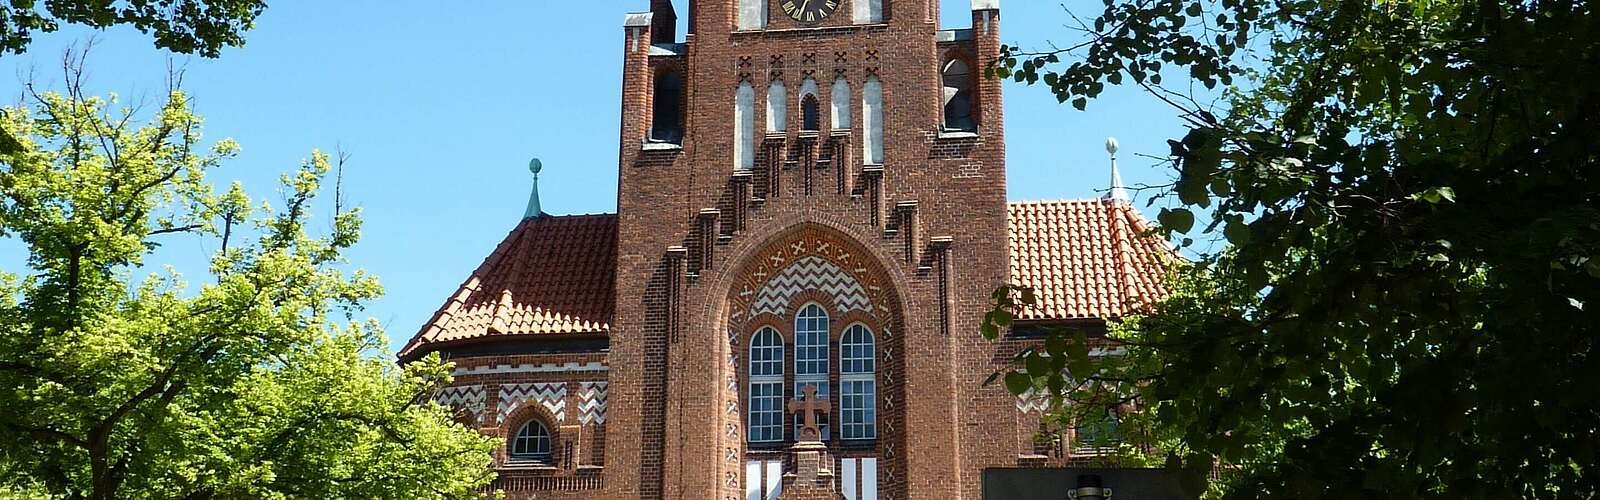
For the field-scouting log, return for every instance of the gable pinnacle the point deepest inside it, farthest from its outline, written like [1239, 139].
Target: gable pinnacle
[533, 198]
[1117, 192]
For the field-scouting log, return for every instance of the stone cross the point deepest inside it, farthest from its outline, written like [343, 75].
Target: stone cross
[810, 406]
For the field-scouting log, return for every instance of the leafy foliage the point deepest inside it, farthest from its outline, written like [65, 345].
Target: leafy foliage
[187, 26]
[252, 384]
[1406, 304]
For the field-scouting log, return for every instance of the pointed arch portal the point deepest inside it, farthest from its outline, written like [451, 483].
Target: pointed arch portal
[816, 290]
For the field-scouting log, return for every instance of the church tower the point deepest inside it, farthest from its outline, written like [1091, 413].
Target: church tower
[812, 192]
[811, 217]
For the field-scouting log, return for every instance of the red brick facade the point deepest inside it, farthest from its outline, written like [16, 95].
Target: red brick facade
[649, 396]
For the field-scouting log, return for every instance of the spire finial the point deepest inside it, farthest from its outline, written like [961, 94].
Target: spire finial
[1117, 193]
[533, 198]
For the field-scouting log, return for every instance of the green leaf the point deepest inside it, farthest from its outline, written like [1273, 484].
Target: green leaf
[1078, 362]
[1002, 317]
[1180, 220]
[1018, 383]
[1080, 103]
[1237, 232]
[1037, 365]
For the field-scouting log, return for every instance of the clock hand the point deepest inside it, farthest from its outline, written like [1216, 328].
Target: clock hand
[803, 5]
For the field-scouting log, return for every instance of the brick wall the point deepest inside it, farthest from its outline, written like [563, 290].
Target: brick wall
[669, 356]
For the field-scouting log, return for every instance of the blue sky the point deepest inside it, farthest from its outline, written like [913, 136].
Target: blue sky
[441, 108]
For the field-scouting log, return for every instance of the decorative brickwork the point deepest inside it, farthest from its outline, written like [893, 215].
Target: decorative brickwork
[627, 335]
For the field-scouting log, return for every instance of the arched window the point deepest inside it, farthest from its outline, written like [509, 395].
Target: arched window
[957, 96]
[1093, 436]
[840, 116]
[872, 120]
[744, 130]
[752, 14]
[666, 117]
[808, 105]
[766, 386]
[532, 442]
[808, 113]
[858, 389]
[776, 114]
[811, 356]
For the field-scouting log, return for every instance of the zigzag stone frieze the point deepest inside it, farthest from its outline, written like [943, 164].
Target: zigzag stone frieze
[553, 395]
[472, 398]
[811, 273]
[592, 403]
[1032, 401]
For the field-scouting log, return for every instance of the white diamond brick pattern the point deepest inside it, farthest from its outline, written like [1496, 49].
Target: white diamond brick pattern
[1032, 401]
[592, 403]
[472, 398]
[553, 395]
[811, 273]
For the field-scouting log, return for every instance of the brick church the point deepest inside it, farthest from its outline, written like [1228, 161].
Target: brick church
[811, 217]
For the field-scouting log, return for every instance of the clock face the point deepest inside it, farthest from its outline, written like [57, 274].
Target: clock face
[809, 11]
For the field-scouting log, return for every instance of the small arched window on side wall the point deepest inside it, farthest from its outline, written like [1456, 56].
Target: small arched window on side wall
[839, 118]
[744, 127]
[765, 404]
[958, 102]
[858, 384]
[532, 442]
[872, 121]
[809, 113]
[666, 117]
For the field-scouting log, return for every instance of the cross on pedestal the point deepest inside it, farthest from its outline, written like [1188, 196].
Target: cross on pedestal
[810, 406]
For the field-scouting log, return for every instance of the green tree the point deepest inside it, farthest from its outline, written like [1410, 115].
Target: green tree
[186, 26]
[1406, 303]
[252, 384]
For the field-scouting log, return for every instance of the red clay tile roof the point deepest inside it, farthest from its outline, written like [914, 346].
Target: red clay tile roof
[1084, 258]
[551, 275]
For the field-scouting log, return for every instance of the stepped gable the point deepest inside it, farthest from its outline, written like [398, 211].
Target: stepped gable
[550, 275]
[1084, 258]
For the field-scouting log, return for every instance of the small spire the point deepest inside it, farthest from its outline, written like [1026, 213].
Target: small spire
[1118, 192]
[533, 198]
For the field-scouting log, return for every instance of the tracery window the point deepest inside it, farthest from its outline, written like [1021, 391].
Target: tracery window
[858, 384]
[811, 355]
[766, 386]
[532, 442]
